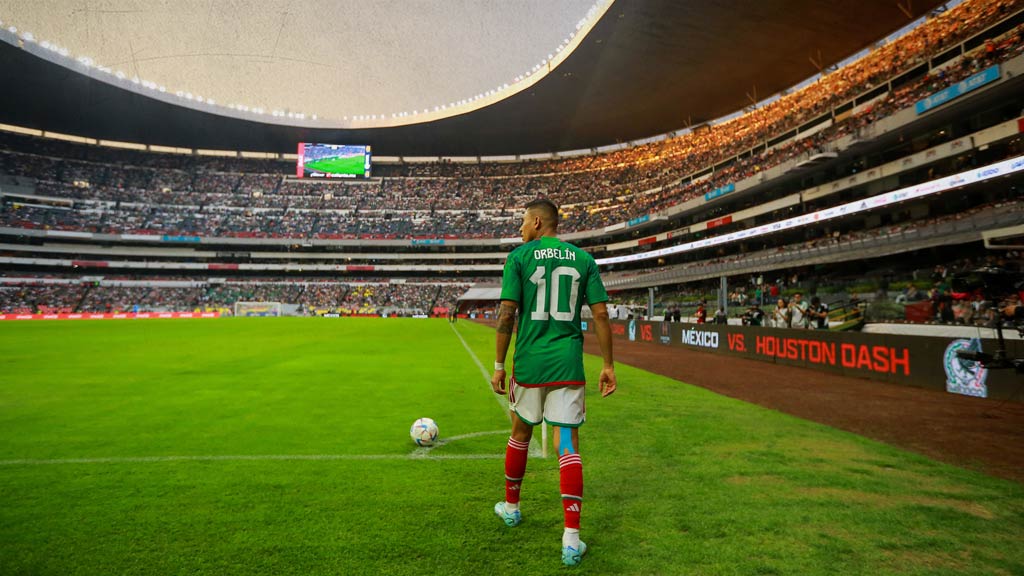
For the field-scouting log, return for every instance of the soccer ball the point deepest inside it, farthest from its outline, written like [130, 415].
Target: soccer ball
[424, 432]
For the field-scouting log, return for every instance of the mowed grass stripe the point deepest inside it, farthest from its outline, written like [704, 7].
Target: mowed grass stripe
[678, 480]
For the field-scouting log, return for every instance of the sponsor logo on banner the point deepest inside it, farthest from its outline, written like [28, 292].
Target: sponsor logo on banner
[666, 332]
[939, 98]
[632, 330]
[964, 376]
[728, 188]
[720, 221]
[702, 338]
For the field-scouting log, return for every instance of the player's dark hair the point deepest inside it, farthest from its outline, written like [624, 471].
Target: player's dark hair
[547, 209]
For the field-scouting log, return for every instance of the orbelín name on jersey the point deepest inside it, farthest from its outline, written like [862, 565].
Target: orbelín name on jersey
[557, 253]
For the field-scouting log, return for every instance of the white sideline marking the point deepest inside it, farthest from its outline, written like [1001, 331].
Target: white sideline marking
[424, 453]
[254, 457]
[502, 400]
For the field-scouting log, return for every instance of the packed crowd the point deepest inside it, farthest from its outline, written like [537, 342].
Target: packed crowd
[312, 298]
[779, 246]
[118, 191]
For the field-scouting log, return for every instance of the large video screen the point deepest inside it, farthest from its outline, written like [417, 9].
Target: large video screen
[333, 161]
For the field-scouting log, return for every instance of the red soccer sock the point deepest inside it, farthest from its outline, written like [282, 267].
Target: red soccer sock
[515, 468]
[571, 479]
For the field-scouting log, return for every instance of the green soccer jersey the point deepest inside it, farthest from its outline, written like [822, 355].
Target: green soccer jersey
[550, 280]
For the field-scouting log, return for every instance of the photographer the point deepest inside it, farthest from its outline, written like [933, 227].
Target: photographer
[754, 316]
[817, 314]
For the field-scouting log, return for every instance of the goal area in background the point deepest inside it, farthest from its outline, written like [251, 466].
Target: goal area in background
[257, 308]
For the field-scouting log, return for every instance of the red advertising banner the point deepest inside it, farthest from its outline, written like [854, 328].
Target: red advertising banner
[110, 316]
[720, 221]
[924, 361]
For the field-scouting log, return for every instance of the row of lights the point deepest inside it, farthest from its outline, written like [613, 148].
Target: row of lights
[89, 63]
[536, 68]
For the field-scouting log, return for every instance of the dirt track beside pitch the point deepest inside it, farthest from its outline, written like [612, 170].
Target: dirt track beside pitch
[977, 433]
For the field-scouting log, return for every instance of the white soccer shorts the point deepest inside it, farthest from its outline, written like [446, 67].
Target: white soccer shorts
[558, 405]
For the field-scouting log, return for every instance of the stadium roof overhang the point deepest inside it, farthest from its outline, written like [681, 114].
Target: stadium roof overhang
[648, 67]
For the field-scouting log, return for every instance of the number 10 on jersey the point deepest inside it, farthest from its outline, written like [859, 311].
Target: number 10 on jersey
[550, 305]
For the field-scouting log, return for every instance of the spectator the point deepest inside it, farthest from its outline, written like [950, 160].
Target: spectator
[721, 317]
[798, 312]
[781, 315]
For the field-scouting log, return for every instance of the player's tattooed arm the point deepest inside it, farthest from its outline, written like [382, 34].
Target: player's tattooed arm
[506, 317]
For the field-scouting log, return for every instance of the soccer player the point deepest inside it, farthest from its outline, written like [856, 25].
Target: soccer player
[547, 281]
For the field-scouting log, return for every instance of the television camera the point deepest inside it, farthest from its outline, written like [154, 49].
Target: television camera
[1006, 290]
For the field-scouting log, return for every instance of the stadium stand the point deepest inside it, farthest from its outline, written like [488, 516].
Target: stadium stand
[252, 217]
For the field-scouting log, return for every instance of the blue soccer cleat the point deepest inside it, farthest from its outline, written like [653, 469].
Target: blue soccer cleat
[510, 520]
[573, 556]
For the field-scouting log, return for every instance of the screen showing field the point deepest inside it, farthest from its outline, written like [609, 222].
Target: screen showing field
[333, 161]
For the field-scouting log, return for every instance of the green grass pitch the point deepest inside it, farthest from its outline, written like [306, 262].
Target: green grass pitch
[280, 446]
[350, 165]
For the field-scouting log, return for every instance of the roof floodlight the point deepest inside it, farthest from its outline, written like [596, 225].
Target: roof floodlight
[64, 52]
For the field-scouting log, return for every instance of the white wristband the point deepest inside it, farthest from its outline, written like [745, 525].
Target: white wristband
[499, 365]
